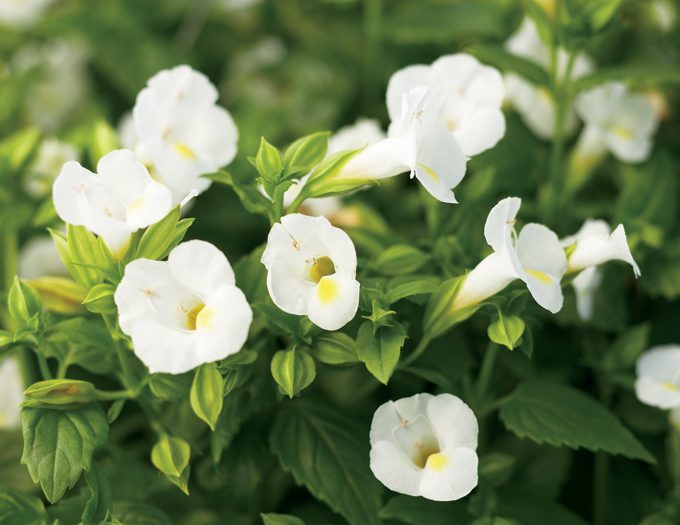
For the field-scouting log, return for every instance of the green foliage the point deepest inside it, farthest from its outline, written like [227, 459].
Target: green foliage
[506, 331]
[400, 259]
[335, 348]
[326, 451]
[58, 445]
[562, 416]
[380, 350]
[206, 394]
[17, 508]
[280, 519]
[171, 456]
[293, 370]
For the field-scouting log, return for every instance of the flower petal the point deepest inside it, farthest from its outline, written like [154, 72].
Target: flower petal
[201, 267]
[334, 301]
[454, 422]
[456, 478]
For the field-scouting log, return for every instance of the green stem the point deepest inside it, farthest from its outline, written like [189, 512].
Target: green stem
[121, 352]
[485, 371]
[10, 257]
[114, 395]
[372, 19]
[422, 346]
[44, 367]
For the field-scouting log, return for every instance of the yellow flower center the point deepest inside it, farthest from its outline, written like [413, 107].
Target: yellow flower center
[327, 290]
[192, 316]
[136, 204]
[623, 132]
[670, 386]
[541, 276]
[321, 267]
[184, 151]
[424, 454]
[437, 462]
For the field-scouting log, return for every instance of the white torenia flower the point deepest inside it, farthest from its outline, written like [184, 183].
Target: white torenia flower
[311, 270]
[364, 132]
[182, 130]
[535, 256]
[52, 155]
[22, 13]
[618, 121]
[184, 312]
[425, 445]
[658, 377]
[535, 104]
[11, 394]
[39, 257]
[418, 143]
[594, 245]
[468, 98]
[118, 201]
[585, 286]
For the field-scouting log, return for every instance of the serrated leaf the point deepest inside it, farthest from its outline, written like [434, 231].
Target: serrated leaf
[328, 453]
[206, 396]
[562, 416]
[58, 445]
[380, 352]
[293, 370]
[99, 505]
[17, 508]
[137, 513]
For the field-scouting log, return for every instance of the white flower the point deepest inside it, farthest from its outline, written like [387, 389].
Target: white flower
[663, 14]
[535, 256]
[118, 201]
[59, 85]
[311, 269]
[52, 155]
[585, 285]
[535, 104]
[418, 143]
[11, 393]
[182, 130]
[618, 121]
[425, 445]
[22, 13]
[594, 245]
[364, 132]
[658, 377]
[184, 312]
[39, 257]
[468, 97]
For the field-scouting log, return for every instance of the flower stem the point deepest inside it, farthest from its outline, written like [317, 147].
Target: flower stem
[127, 375]
[422, 346]
[372, 19]
[486, 370]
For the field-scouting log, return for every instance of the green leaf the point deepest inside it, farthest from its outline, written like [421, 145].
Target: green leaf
[156, 240]
[17, 508]
[327, 452]
[23, 301]
[418, 511]
[281, 519]
[268, 161]
[306, 152]
[171, 456]
[590, 16]
[531, 509]
[335, 348]
[380, 352]
[293, 370]
[83, 256]
[247, 192]
[439, 314]
[496, 468]
[636, 75]
[409, 286]
[99, 505]
[206, 394]
[82, 342]
[100, 299]
[562, 416]
[506, 331]
[505, 61]
[623, 353]
[400, 259]
[171, 387]
[18, 149]
[58, 445]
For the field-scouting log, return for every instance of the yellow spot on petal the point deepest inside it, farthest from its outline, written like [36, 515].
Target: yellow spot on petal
[327, 290]
[670, 386]
[437, 462]
[320, 268]
[432, 174]
[541, 276]
[192, 316]
[623, 132]
[205, 319]
[424, 453]
[136, 204]
[184, 151]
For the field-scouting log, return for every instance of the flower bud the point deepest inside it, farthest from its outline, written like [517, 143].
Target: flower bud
[23, 301]
[59, 392]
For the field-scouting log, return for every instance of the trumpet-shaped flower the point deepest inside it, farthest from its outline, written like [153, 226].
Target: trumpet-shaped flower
[535, 104]
[425, 445]
[52, 155]
[468, 97]
[585, 285]
[22, 13]
[419, 143]
[11, 395]
[311, 270]
[118, 201]
[658, 377]
[618, 121]
[182, 130]
[364, 132]
[535, 256]
[593, 245]
[184, 312]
